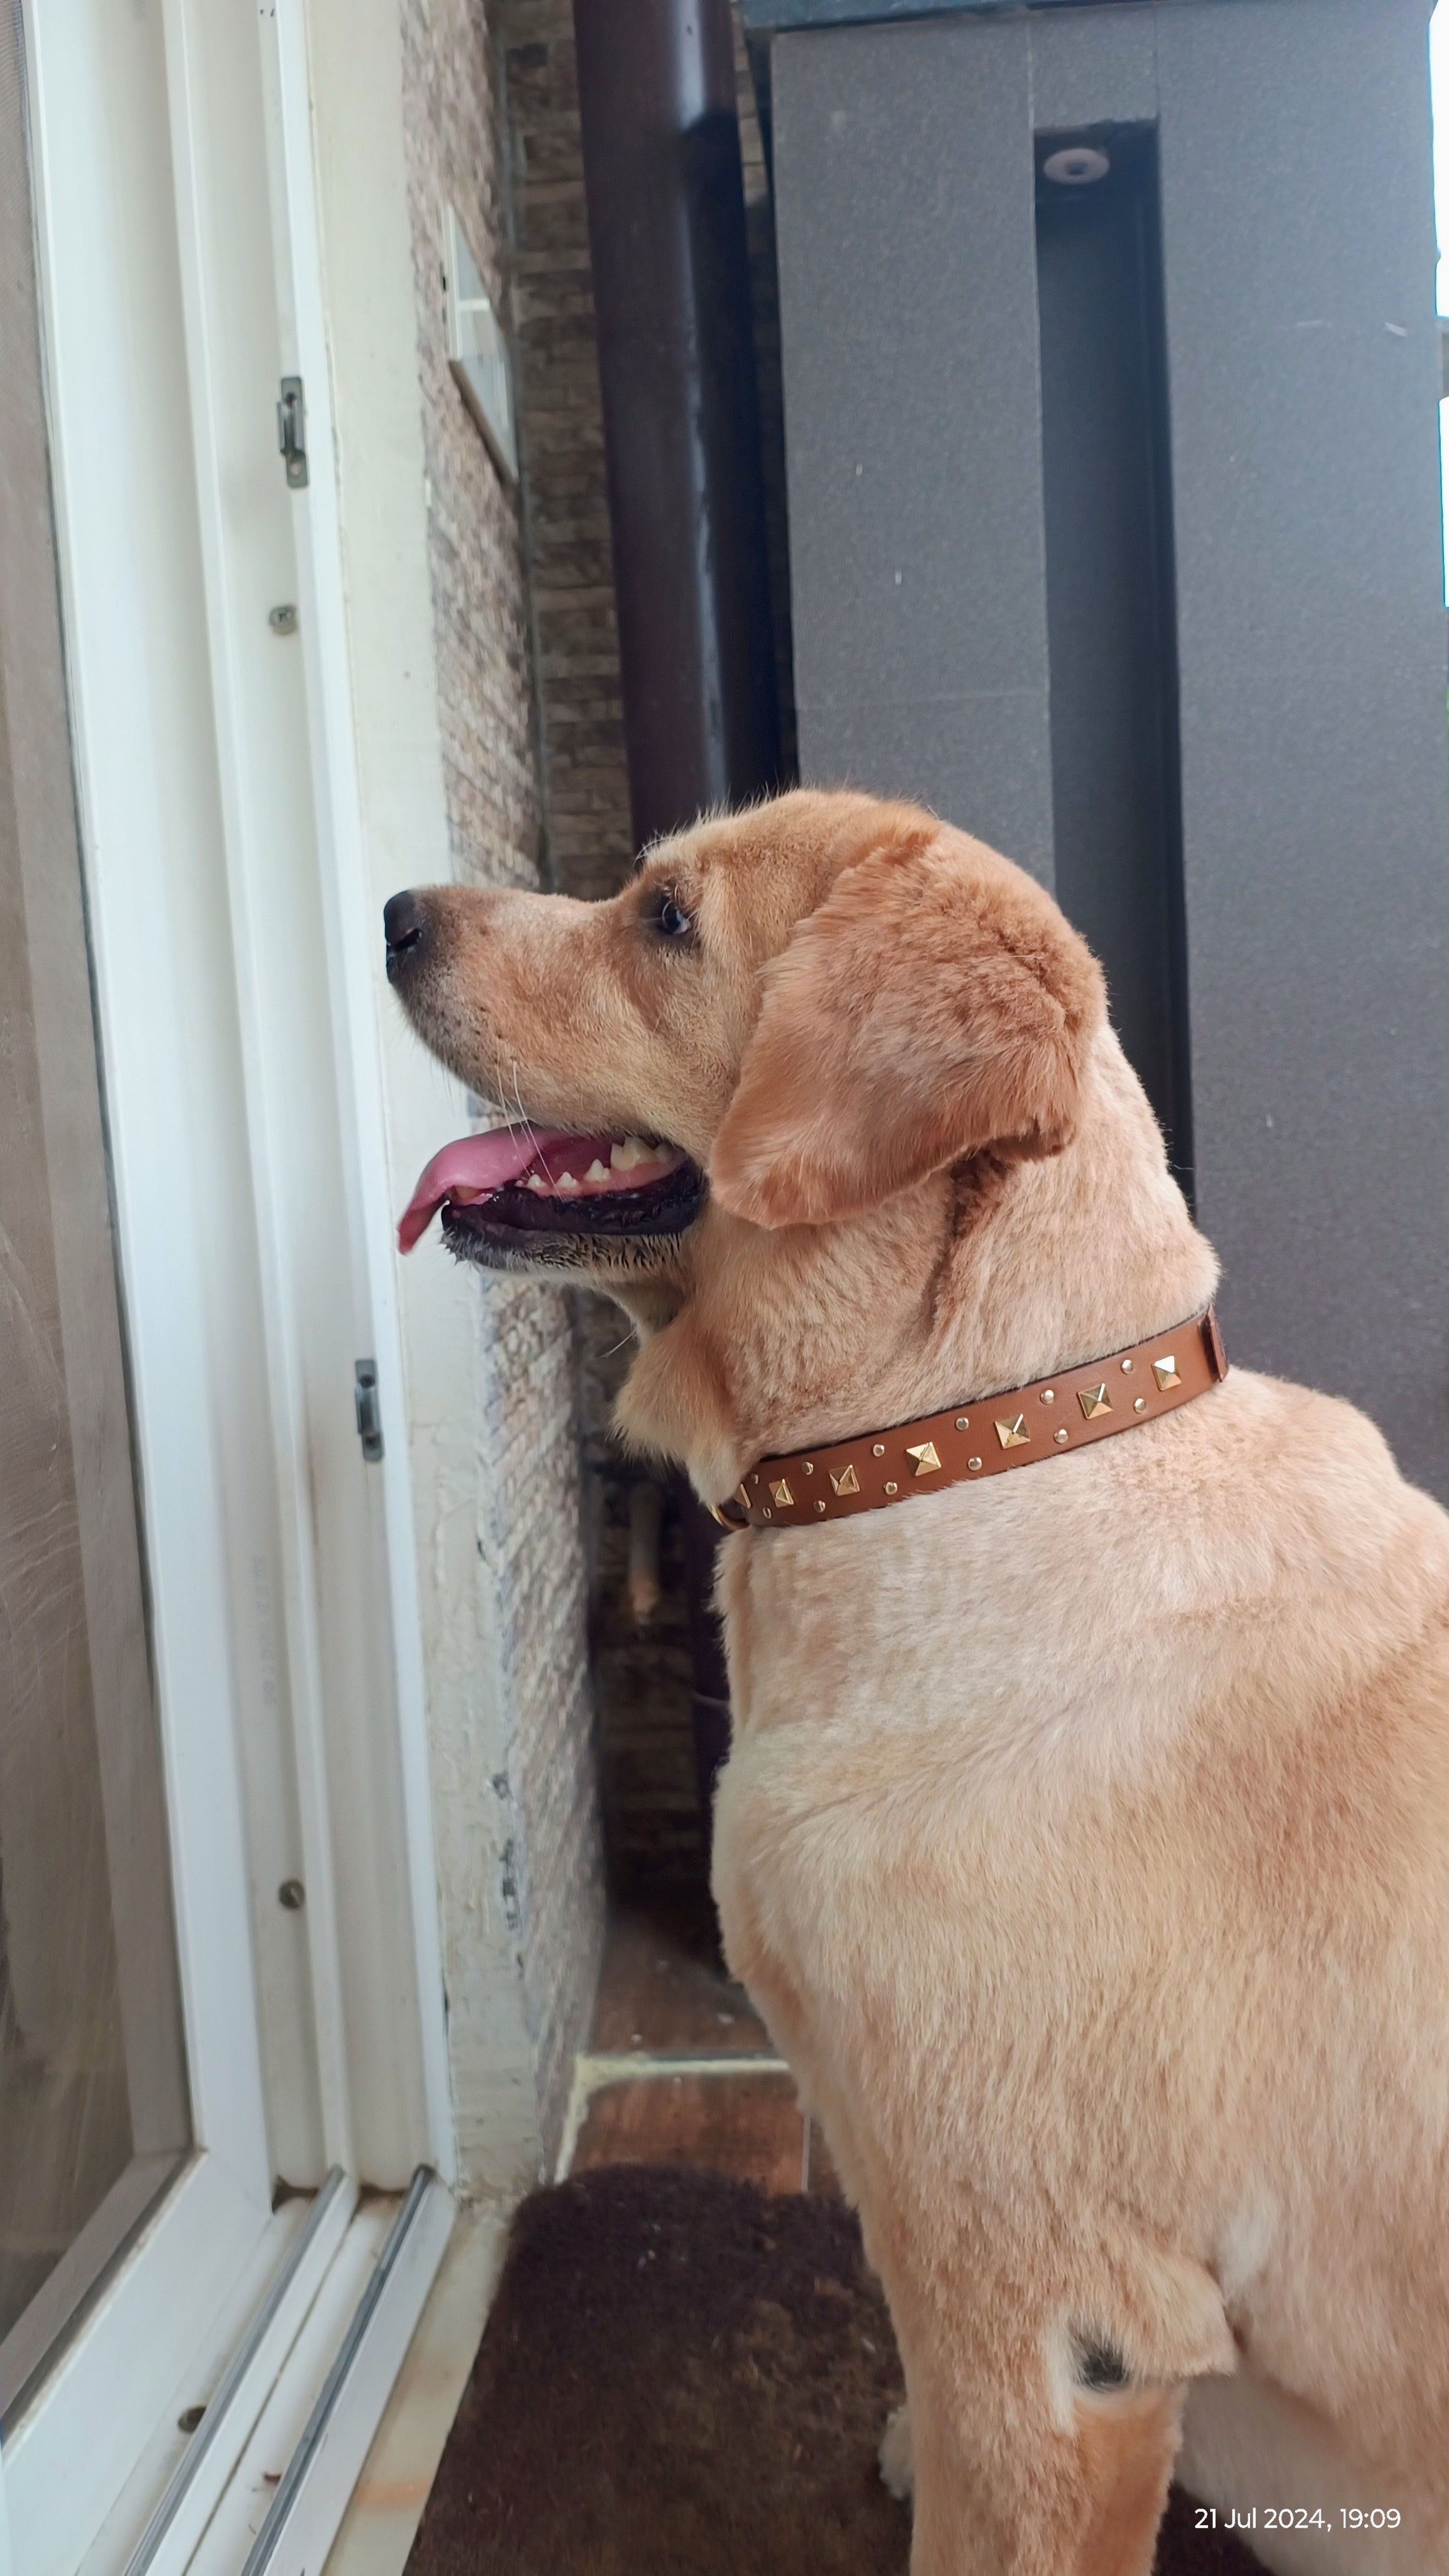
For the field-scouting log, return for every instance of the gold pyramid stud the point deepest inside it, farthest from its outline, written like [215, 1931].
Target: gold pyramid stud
[781, 1493]
[1165, 1372]
[847, 1482]
[927, 1462]
[1094, 1400]
[1013, 1435]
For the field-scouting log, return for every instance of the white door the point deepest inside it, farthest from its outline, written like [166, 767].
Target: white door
[218, 1943]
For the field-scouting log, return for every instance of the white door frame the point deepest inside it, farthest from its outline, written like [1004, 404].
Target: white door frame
[353, 937]
[156, 226]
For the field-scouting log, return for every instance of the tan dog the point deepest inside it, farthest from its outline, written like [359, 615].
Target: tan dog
[1085, 1838]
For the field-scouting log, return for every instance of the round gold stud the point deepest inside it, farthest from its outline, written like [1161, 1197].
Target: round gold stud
[809, 1467]
[878, 1450]
[890, 1489]
[1126, 1368]
[769, 1515]
[820, 1507]
[963, 1422]
[1141, 1404]
[975, 1465]
[1060, 1435]
[754, 1480]
[1048, 1395]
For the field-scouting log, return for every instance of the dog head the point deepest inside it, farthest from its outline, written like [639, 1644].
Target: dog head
[792, 1014]
[765, 1086]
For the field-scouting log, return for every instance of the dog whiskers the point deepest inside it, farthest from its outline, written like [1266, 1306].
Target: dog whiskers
[525, 1121]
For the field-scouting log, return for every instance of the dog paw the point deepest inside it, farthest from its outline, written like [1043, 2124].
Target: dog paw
[896, 2466]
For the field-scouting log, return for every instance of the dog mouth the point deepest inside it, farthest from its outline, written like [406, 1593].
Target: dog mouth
[528, 1181]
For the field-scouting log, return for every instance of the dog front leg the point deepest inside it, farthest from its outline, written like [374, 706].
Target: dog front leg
[1045, 2389]
[995, 2495]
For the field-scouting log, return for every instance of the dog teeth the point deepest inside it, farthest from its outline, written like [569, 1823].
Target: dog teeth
[534, 1183]
[566, 1181]
[633, 1150]
[596, 1171]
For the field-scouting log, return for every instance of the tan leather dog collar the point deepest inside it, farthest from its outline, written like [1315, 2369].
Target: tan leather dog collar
[1048, 1419]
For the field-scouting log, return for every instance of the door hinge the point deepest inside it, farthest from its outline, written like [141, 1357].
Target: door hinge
[369, 1409]
[292, 432]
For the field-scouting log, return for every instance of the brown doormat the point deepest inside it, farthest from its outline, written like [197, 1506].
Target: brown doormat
[682, 2377]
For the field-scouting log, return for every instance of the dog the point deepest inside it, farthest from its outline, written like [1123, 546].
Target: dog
[1084, 1839]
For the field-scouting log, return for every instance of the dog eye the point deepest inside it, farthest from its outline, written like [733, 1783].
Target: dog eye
[668, 916]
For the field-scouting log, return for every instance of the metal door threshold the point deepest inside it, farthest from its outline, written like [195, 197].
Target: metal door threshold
[206, 2516]
[326, 2464]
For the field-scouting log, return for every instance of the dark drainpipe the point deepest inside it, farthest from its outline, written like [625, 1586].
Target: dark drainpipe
[682, 446]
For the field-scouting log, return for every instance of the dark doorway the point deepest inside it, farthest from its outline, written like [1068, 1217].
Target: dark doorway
[1111, 618]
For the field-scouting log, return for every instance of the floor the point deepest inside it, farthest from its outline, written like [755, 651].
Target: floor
[678, 2070]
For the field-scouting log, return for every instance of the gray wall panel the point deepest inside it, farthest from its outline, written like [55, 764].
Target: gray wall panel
[1303, 356]
[968, 749]
[1095, 67]
[908, 307]
[1303, 362]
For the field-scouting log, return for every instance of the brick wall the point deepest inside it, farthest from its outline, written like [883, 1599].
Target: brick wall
[652, 1816]
[527, 1502]
[536, 791]
[584, 781]
[650, 1809]
[561, 438]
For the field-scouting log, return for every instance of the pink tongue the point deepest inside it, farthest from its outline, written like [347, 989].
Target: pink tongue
[476, 1164]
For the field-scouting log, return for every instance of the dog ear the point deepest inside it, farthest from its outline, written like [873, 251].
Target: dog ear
[935, 1003]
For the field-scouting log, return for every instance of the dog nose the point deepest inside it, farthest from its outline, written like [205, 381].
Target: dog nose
[404, 930]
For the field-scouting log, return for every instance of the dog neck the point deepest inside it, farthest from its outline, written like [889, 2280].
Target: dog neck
[981, 1278]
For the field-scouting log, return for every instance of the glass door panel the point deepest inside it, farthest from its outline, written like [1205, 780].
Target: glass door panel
[94, 2114]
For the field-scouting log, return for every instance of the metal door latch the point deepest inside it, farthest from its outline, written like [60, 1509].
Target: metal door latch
[292, 432]
[369, 1409]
